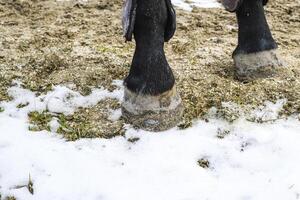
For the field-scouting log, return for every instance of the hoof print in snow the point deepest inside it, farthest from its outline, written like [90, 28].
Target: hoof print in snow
[204, 163]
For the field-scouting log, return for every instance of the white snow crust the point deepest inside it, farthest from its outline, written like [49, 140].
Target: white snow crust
[253, 161]
[188, 5]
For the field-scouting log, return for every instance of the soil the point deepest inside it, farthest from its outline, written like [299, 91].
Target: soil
[46, 42]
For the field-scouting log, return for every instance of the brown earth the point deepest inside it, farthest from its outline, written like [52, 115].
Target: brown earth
[47, 42]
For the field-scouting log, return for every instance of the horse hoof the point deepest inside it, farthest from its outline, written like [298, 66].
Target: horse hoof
[256, 65]
[152, 113]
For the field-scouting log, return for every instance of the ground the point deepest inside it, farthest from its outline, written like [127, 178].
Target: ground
[80, 44]
[213, 159]
[62, 65]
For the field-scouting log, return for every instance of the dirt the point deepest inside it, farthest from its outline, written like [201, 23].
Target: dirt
[47, 42]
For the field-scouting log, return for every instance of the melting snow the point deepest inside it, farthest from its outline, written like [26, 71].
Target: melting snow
[252, 162]
[188, 5]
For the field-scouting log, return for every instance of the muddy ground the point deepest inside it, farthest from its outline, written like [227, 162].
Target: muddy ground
[46, 42]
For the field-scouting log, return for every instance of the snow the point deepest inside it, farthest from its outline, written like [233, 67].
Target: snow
[188, 5]
[183, 4]
[253, 161]
[60, 100]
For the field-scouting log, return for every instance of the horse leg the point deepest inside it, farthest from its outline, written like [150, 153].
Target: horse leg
[255, 55]
[151, 101]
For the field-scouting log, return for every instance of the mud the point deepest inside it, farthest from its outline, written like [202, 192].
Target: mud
[47, 42]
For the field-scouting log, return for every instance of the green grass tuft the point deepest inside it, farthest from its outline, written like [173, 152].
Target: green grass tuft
[39, 121]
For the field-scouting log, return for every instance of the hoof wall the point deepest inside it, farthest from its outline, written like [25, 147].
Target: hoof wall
[256, 65]
[152, 113]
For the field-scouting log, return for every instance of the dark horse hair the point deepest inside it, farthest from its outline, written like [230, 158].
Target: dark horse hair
[254, 32]
[152, 22]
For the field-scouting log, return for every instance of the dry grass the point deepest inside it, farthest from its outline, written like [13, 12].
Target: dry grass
[45, 43]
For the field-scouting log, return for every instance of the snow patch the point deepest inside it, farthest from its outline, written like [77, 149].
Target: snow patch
[60, 100]
[188, 5]
[252, 161]
[115, 114]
